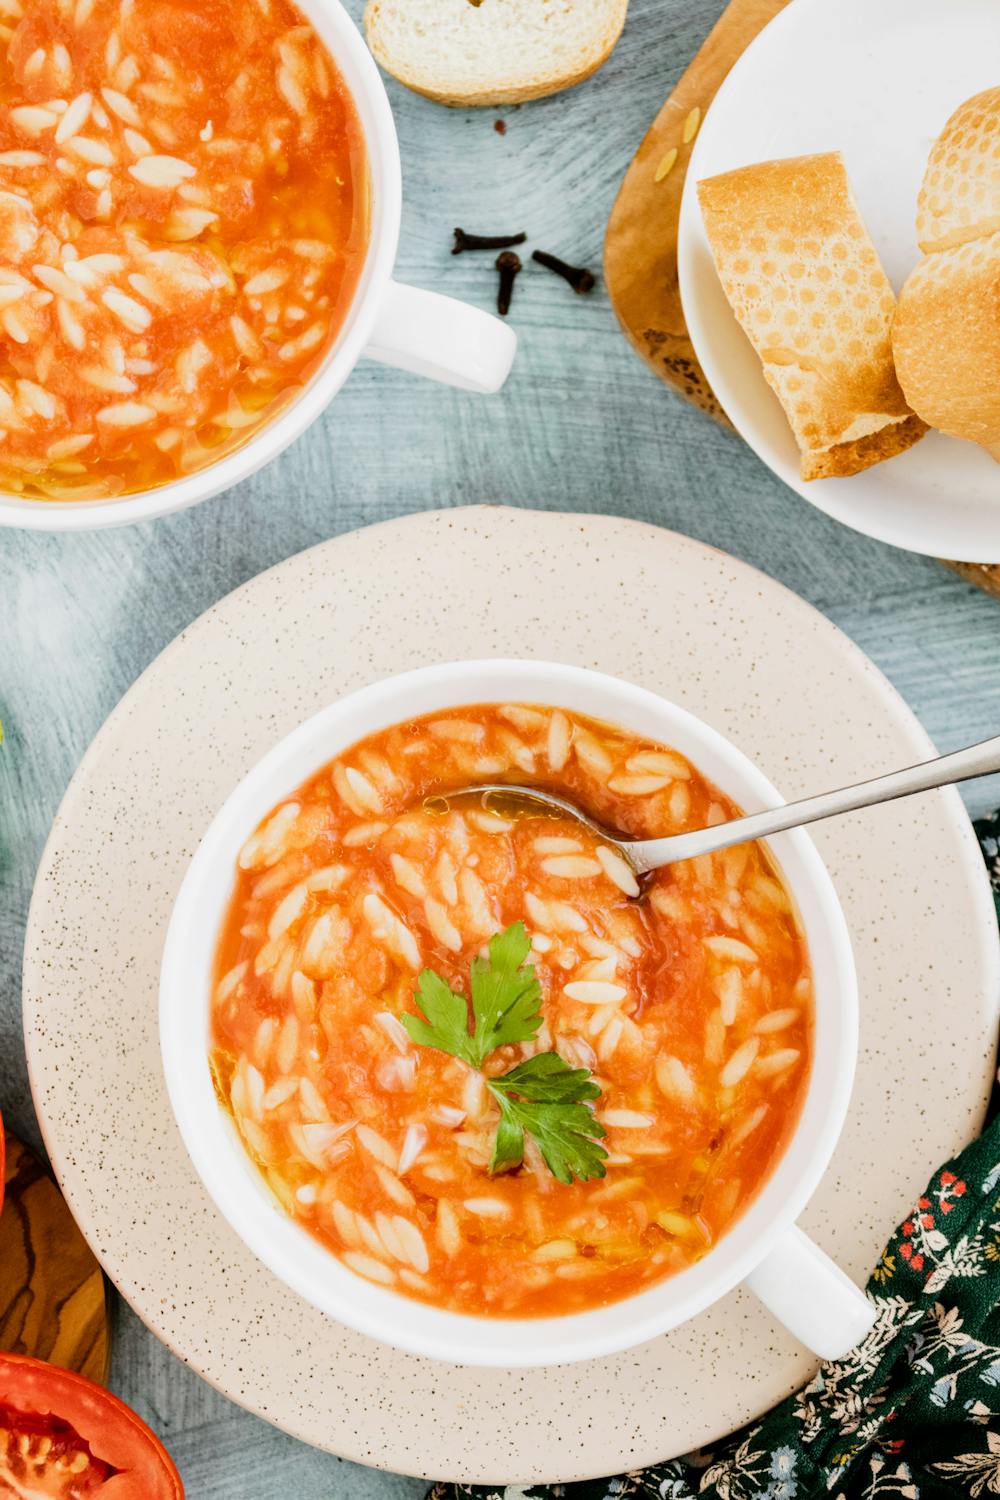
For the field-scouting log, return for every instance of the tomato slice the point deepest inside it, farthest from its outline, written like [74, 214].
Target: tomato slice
[64, 1437]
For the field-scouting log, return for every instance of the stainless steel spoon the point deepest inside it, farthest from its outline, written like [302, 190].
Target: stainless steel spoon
[645, 855]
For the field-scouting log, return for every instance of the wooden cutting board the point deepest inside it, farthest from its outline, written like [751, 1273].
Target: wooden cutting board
[640, 246]
[53, 1301]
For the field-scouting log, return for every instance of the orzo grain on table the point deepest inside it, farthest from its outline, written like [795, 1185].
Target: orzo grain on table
[691, 1006]
[183, 218]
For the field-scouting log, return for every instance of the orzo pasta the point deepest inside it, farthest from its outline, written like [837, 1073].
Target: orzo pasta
[690, 1002]
[183, 218]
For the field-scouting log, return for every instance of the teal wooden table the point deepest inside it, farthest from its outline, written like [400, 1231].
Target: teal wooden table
[582, 425]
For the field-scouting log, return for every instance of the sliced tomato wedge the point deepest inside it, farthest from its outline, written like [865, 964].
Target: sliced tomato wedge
[64, 1437]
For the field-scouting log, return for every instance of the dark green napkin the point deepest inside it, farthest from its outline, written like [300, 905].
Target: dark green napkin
[914, 1411]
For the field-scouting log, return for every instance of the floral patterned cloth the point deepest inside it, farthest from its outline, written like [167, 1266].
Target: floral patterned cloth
[914, 1410]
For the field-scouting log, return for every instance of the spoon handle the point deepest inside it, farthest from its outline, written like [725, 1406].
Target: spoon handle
[961, 765]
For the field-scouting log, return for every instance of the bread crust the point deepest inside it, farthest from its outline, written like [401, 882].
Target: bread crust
[946, 333]
[538, 86]
[946, 340]
[804, 279]
[845, 459]
[960, 194]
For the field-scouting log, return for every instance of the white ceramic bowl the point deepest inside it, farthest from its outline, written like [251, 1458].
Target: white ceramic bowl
[797, 1281]
[414, 330]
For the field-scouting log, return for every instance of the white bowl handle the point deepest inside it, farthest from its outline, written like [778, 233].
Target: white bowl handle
[812, 1296]
[442, 338]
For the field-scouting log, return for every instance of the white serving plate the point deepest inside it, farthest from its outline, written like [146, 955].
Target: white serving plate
[876, 81]
[722, 640]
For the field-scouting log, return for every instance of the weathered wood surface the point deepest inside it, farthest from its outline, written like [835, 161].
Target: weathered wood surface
[640, 247]
[583, 425]
[52, 1293]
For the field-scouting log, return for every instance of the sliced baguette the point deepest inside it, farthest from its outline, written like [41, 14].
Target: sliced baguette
[946, 341]
[460, 52]
[946, 334]
[960, 195]
[804, 279]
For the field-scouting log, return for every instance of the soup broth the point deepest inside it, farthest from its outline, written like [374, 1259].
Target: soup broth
[689, 1002]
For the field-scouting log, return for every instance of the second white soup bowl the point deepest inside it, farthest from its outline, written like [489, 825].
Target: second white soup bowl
[395, 324]
[797, 1281]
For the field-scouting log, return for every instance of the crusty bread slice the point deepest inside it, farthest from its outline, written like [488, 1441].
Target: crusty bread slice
[805, 282]
[960, 196]
[946, 334]
[462, 52]
[946, 340]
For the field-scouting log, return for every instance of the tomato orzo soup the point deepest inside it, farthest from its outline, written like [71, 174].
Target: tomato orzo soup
[689, 1002]
[183, 220]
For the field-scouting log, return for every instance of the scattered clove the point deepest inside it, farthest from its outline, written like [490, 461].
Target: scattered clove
[465, 241]
[579, 278]
[508, 264]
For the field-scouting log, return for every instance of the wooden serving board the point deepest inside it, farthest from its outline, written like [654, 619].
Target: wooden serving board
[53, 1301]
[640, 246]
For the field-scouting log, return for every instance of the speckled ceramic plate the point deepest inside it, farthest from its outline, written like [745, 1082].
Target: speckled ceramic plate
[708, 632]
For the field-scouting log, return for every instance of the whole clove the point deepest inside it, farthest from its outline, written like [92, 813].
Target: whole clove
[508, 264]
[579, 278]
[465, 241]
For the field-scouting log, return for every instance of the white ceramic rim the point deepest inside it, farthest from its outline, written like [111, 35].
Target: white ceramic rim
[357, 68]
[236, 1186]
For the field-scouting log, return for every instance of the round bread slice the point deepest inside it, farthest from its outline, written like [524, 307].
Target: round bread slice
[463, 52]
[946, 341]
[960, 196]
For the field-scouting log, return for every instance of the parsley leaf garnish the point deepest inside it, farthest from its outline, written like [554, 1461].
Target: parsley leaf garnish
[547, 1099]
[506, 1000]
[447, 1023]
[506, 997]
[543, 1096]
